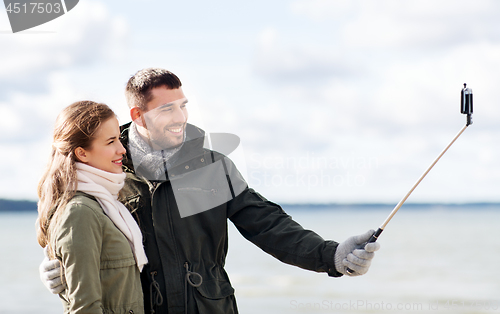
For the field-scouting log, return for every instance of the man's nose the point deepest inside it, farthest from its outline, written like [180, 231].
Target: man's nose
[179, 116]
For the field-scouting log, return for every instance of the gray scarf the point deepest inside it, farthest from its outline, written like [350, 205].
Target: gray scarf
[156, 162]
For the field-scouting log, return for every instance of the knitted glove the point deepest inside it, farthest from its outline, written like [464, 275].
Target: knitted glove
[355, 254]
[52, 275]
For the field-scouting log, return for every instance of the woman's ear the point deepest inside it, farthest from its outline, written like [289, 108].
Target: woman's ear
[81, 154]
[136, 116]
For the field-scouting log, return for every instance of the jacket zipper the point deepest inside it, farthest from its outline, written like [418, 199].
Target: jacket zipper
[153, 189]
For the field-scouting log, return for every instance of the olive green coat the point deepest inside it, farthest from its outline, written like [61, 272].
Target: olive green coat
[98, 262]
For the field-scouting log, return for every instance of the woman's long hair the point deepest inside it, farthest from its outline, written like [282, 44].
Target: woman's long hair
[76, 126]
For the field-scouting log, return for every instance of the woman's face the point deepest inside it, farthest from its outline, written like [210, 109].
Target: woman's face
[106, 151]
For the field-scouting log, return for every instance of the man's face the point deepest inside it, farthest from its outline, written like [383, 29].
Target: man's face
[166, 117]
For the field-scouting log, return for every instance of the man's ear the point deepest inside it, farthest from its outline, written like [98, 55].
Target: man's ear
[81, 154]
[136, 116]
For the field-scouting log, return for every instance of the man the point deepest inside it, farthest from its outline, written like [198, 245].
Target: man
[182, 193]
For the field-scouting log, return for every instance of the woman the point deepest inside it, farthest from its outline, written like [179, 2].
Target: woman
[80, 220]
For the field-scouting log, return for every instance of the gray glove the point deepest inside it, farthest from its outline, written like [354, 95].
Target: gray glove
[355, 254]
[52, 275]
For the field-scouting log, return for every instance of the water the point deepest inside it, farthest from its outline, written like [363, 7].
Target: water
[433, 259]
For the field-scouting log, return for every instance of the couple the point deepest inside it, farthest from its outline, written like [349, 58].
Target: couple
[135, 219]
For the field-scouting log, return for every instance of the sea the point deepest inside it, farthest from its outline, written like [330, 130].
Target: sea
[433, 259]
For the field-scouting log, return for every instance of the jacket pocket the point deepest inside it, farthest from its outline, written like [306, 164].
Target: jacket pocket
[118, 263]
[215, 289]
[216, 296]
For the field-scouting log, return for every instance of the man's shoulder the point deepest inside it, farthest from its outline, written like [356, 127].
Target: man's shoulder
[125, 126]
[124, 129]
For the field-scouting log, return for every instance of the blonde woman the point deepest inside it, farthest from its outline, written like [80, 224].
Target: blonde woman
[81, 223]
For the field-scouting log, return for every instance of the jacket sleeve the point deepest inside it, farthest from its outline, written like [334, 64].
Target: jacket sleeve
[268, 226]
[78, 244]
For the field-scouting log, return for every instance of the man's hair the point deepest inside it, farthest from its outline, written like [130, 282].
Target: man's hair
[139, 86]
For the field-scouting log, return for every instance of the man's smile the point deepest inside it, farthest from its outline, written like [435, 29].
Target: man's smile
[175, 130]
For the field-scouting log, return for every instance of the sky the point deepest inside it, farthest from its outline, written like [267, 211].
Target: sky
[345, 101]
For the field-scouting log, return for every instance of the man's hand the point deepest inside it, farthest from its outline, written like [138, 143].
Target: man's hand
[52, 275]
[355, 254]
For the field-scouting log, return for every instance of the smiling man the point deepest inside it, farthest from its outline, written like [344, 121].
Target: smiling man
[163, 120]
[182, 195]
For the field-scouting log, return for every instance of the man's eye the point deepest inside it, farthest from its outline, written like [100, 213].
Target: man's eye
[111, 142]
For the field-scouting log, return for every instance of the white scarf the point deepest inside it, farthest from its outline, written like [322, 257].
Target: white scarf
[104, 186]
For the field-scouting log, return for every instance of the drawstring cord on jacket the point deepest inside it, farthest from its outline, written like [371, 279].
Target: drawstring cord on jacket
[188, 280]
[156, 298]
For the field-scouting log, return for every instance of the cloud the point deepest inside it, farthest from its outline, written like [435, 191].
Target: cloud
[401, 63]
[39, 71]
[406, 24]
[383, 79]
[355, 39]
[30, 117]
[344, 80]
[87, 35]
[280, 60]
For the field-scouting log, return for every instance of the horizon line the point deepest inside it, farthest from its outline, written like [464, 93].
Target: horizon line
[324, 204]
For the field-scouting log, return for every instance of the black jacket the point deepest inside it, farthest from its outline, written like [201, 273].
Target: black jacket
[181, 239]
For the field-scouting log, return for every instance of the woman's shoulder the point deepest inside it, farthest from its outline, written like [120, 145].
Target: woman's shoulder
[82, 207]
[81, 215]
[83, 199]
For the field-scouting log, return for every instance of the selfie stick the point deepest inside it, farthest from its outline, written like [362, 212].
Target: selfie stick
[465, 108]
